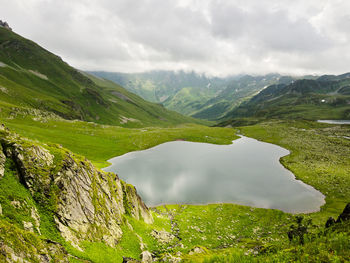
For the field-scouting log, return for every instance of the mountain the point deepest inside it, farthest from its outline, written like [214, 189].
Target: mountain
[192, 94]
[32, 77]
[237, 91]
[327, 97]
[158, 86]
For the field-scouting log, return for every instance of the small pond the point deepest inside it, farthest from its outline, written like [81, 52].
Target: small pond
[335, 121]
[247, 172]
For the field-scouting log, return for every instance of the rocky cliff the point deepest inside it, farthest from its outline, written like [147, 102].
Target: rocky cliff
[82, 202]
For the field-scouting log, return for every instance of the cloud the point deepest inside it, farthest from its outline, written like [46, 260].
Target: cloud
[213, 36]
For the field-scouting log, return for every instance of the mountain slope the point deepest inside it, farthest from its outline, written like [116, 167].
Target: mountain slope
[158, 86]
[32, 77]
[309, 99]
[237, 91]
[192, 94]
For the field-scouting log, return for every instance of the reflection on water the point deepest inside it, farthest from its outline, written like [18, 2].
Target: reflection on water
[335, 121]
[247, 172]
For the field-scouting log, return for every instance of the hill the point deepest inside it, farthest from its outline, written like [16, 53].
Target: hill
[192, 94]
[32, 77]
[327, 97]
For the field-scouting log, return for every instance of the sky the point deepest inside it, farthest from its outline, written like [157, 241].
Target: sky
[215, 37]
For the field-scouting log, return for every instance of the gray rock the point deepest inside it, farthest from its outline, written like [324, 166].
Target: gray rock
[146, 257]
[2, 162]
[28, 226]
[90, 203]
[170, 258]
[196, 250]
[36, 217]
[163, 237]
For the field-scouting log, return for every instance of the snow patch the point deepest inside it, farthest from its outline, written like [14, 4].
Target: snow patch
[38, 74]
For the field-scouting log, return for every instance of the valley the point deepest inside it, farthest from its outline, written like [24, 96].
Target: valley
[60, 126]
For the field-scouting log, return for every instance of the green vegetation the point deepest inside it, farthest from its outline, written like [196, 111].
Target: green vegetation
[319, 157]
[193, 94]
[302, 99]
[42, 98]
[101, 142]
[33, 78]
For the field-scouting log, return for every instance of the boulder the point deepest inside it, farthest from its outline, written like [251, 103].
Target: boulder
[163, 237]
[146, 257]
[345, 215]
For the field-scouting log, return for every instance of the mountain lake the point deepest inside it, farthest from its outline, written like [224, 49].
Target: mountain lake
[335, 121]
[246, 172]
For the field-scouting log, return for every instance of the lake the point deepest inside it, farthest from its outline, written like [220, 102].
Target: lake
[335, 121]
[247, 172]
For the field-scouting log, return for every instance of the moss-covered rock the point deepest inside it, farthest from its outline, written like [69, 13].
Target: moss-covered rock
[84, 203]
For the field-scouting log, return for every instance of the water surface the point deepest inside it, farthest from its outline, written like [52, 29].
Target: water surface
[335, 121]
[247, 172]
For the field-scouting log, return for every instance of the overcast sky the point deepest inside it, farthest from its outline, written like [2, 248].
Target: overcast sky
[213, 36]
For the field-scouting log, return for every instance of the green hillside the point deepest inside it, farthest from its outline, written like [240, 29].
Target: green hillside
[199, 96]
[159, 86]
[327, 97]
[237, 91]
[32, 77]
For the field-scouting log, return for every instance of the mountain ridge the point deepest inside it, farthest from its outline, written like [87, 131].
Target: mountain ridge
[33, 77]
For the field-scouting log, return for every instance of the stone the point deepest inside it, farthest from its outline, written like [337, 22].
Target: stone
[0, 209]
[16, 204]
[163, 237]
[2, 162]
[28, 226]
[196, 250]
[170, 258]
[36, 217]
[89, 204]
[345, 215]
[146, 257]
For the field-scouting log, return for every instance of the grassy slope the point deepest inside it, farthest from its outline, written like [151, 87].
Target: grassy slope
[101, 142]
[303, 99]
[226, 232]
[320, 157]
[189, 100]
[32, 77]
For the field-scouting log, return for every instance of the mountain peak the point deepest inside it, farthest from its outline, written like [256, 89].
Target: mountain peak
[5, 25]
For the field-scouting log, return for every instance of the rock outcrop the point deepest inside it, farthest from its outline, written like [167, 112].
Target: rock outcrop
[87, 204]
[5, 25]
[345, 215]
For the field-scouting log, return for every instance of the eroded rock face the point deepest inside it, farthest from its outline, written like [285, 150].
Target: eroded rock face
[87, 203]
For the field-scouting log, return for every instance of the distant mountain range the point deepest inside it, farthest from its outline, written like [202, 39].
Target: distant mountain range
[327, 97]
[33, 78]
[194, 94]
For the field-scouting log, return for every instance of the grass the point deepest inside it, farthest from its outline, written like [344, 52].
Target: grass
[100, 142]
[35, 78]
[319, 157]
[225, 232]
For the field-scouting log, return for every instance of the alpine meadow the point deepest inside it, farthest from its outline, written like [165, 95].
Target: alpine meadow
[174, 131]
